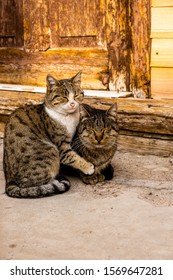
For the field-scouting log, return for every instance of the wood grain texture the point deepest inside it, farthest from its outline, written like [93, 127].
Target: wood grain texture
[145, 145]
[128, 38]
[36, 25]
[11, 23]
[140, 48]
[20, 67]
[117, 43]
[72, 12]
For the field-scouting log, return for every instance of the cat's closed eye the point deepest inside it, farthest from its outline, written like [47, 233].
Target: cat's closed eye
[79, 95]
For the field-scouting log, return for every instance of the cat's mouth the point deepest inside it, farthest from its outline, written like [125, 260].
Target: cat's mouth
[92, 145]
[98, 145]
[71, 110]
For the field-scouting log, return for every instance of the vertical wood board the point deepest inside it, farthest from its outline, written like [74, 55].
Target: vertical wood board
[118, 44]
[140, 48]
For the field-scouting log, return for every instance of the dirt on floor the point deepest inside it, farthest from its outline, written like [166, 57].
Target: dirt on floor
[129, 217]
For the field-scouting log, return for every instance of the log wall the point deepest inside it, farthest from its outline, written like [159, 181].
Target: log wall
[145, 125]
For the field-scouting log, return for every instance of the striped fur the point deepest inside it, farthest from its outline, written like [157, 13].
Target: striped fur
[37, 139]
[96, 141]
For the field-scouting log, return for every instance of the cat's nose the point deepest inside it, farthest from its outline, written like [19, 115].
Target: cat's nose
[99, 137]
[72, 104]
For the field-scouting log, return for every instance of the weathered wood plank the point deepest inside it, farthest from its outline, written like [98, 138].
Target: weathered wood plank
[145, 124]
[150, 116]
[85, 11]
[36, 27]
[162, 83]
[20, 67]
[145, 146]
[139, 21]
[128, 38]
[117, 43]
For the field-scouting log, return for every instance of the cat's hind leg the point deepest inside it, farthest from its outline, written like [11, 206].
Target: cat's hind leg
[38, 175]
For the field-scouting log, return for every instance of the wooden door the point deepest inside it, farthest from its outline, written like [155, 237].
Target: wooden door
[72, 23]
[60, 37]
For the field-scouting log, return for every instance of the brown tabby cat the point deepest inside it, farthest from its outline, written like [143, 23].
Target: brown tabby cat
[37, 138]
[96, 141]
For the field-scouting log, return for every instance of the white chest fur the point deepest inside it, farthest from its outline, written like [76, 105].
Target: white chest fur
[70, 121]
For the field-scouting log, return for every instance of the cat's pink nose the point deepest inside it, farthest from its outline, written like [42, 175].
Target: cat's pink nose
[72, 104]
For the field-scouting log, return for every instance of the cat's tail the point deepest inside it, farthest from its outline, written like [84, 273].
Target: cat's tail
[56, 186]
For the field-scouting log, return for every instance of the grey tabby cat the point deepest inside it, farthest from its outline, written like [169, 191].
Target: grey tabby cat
[37, 138]
[96, 141]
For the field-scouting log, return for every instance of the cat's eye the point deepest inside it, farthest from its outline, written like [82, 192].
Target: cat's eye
[66, 93]
[55, 97]
[76, 95]
[79, 95]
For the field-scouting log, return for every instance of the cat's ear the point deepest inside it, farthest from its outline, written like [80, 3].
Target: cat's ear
[51, 81]
[77, 79]
[84, 114]
[112, 112]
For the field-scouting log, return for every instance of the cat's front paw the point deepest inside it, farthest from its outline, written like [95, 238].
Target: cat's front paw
[90, 169]
[93, 179]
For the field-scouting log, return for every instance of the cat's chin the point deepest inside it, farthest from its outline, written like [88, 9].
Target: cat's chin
[98, 146]
[71, 111]
[94, 146]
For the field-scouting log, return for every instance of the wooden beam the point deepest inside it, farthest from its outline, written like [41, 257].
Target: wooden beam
[145, 124]
[145, 145]
[20, 67]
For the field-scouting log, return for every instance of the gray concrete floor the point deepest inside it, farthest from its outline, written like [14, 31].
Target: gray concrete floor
[130, 217]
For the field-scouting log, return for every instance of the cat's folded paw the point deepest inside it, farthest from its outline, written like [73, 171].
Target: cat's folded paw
[93, 179]
[90, 169]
